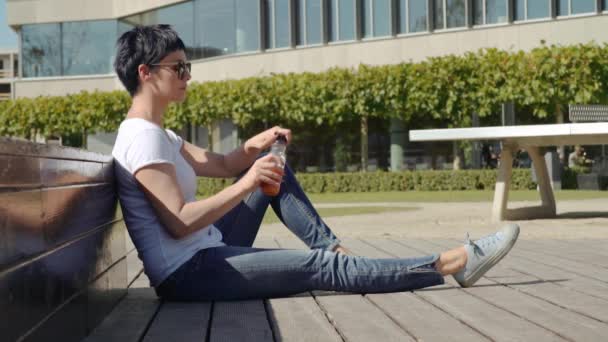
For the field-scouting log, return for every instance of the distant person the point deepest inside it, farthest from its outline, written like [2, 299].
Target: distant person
[578, 157]
[201, 249]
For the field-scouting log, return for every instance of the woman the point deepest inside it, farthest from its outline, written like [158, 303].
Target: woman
[201, 249]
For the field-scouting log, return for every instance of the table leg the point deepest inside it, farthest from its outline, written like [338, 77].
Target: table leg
[503, 181]
[544, 183]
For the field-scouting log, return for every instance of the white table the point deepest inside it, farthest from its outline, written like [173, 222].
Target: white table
[530, 138]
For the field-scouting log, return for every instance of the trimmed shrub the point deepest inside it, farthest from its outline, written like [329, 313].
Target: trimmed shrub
[428, 180]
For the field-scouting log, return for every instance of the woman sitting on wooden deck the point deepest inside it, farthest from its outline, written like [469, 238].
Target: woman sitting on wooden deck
[201, 249]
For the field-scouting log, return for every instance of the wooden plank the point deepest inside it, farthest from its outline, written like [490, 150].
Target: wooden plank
[358, 319]
[550, 292]
[130, 319]
[575, 250]
[14, 147]
[546, 273]
[184, 322]
[485, 317]
[19, 173]
[581, 269]
[423, 320]
[240, 321]
[299, 318]
[494, 322]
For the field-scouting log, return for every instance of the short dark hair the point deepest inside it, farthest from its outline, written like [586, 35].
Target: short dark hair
[143, 45]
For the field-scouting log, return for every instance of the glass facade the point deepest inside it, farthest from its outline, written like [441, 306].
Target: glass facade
[219, 27]
[376, 18]
[309, 22]
[341, 14]
[412, 16]
[226, 26]
[450, 14]
[569, 7]
[489, 12]
[531, 9]
[277, 23]
[180, 17]
[41, 50]
[85, 47]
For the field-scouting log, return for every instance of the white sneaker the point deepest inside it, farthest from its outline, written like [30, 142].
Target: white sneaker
[484, 253]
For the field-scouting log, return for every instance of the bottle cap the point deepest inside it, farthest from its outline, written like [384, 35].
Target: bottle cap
[281, 138]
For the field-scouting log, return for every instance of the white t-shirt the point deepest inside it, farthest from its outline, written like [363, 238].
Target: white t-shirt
[140, 143]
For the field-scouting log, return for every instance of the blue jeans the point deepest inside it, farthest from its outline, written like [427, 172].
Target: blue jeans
[238, 271]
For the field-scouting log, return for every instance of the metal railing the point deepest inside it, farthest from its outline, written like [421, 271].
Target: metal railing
[588, 113]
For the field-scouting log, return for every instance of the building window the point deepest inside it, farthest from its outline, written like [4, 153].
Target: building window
[570, 7]
[41, 50]
[309, 22]
[87, 47]
[341, 15]
[376, 18]
[412, 16]
[180, 17]
[449, 14]
[278, 23]
[605, 5]
[489, 11]
[225, 27]
[531, 9]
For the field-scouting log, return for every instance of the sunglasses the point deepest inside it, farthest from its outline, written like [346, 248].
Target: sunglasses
[180, 67]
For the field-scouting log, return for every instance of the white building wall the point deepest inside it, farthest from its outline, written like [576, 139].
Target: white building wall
[21, 12]
[523, 36]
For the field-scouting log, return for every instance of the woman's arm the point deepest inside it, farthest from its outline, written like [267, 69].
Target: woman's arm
[209, 164]
[159, 183]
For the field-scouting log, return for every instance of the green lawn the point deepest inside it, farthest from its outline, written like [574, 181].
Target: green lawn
[270, 217]
[422, 196]
[447, 196]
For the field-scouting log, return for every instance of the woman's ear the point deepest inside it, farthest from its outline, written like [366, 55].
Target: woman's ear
[144, 72]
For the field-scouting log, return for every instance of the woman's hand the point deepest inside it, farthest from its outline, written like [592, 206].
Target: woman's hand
[262, 141]
[264, 170]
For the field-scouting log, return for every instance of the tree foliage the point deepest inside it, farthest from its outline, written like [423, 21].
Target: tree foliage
[438, 92]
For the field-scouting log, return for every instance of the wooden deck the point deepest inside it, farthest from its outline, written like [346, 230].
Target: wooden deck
[545, 290]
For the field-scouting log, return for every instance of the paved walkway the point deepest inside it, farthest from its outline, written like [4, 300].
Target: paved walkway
[582, 219]
[553, 286]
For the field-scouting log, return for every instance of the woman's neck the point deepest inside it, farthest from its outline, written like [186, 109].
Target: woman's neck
[145, 107]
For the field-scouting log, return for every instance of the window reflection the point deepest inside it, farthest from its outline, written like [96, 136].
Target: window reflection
[41, 50]
[277, 23]
[583, 6]
[313, 22]
[538, 9]
[341, 14]
[382, 18]
[531, 9]
[519, 10]
[247, 27]
[88, 47]
[180, 17]
[412, 16]
[376, 16]
[438, 14]
[495, 11]
[455, 15]
[417, 13]
[226, 26]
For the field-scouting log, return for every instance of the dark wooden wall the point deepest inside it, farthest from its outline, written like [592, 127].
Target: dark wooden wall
[62, 242]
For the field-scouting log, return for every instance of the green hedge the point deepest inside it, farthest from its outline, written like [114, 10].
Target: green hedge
[438, 92]
[430, 180]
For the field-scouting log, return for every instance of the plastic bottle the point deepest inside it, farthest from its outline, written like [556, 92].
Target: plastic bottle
[277, 149]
